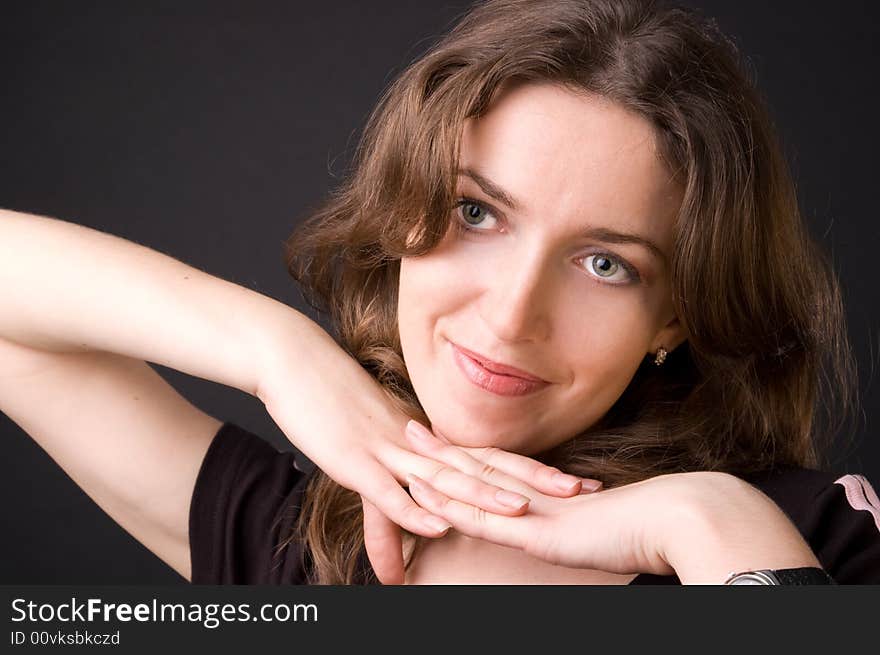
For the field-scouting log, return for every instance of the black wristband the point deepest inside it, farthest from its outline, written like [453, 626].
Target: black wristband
[807, 575]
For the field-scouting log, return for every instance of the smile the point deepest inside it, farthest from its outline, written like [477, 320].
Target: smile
[500, 384]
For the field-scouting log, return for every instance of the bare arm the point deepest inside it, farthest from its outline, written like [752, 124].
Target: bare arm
[730, 526]
[81, 312]
[68, 288]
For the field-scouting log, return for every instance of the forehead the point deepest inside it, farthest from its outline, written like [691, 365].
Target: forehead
[580, 156]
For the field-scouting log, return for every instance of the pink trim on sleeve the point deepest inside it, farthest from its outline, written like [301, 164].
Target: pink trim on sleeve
[861, 495]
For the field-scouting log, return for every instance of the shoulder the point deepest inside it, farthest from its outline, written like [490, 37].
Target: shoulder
[244, 505]
[804, 490]
[837, 513]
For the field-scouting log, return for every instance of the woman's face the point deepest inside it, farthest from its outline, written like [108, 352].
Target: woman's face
[543, 281]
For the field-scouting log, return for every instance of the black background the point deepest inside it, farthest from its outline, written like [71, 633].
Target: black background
[204, 130]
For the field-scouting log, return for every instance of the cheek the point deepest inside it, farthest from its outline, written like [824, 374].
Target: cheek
[424, 296]
[430, 286]
[407, 312]
[608, 337]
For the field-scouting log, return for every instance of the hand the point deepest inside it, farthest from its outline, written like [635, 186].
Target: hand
[351, 430]
[382, 536]
[620, 530]
[688, 524]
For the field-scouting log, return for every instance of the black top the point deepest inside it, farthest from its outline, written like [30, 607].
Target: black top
[248, 494]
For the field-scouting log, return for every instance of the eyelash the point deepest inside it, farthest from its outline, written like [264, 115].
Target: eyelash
[462, 225]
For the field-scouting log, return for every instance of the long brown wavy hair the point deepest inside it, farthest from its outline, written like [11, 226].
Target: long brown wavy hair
[766, 377]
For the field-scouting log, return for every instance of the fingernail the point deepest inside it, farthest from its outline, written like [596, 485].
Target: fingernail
[564, 481]
[511, 499]
[436, 523]
[416, 430]
[590, 485]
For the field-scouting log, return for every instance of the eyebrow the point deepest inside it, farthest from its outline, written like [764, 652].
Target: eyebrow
[491, 189]
[604, 234]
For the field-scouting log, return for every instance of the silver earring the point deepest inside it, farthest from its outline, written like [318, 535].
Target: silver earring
[661, 356]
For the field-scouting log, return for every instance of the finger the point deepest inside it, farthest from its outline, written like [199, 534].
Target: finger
[383, 544]
[472, 521]
[439, 435]
[469, 489]
[391, 499]
[465, 487]
[499, 466]
[590, 485]
[546, 479]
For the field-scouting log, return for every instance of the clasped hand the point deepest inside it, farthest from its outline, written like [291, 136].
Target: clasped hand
[682, 523]
[358, 440]
[617, 530]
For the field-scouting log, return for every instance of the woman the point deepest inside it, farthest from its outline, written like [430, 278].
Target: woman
[569, 244]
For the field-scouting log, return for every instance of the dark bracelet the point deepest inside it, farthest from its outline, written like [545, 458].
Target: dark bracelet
[807, 575]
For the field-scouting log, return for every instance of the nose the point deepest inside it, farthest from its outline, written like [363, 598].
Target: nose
[517, 302]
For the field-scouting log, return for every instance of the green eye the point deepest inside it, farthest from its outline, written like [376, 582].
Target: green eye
[472, 213]
[604, 266]
[611, 268]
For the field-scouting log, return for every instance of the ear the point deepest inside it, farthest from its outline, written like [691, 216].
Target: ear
[670, 336]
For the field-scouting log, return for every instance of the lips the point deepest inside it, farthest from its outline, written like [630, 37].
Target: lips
[495, 367]
[498, 384]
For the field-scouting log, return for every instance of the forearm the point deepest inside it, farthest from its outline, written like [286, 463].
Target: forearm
[732, 527]
[65, 287]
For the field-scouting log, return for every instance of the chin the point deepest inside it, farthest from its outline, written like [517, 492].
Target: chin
[474, 437]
